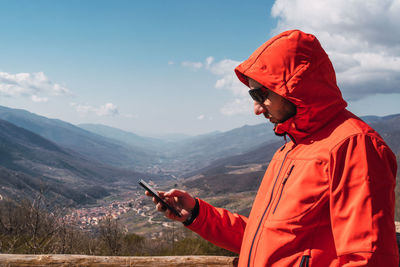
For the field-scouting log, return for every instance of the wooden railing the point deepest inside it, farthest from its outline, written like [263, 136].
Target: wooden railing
[18, 260]
[14, 260]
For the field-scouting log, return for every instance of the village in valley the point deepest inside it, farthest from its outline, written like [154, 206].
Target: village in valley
[135, 203]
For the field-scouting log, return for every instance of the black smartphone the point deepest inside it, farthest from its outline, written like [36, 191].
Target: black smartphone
[159, 199]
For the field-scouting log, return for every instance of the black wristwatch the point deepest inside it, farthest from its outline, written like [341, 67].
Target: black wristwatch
[193, 215]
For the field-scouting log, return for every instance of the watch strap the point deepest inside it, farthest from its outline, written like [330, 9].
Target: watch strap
[193, 215]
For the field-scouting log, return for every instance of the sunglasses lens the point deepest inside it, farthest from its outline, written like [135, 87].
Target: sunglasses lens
[258, 95]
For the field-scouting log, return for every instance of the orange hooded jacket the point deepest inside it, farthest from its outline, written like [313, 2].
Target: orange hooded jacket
[327, 197]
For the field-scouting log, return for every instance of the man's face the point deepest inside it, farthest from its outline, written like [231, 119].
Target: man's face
[275, 107]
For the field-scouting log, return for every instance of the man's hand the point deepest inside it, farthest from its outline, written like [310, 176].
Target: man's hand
[179, 199]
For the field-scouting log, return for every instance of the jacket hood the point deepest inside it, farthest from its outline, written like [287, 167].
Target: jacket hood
[294, 65]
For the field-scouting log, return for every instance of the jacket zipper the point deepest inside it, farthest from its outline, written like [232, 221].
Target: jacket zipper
[305, 261]
[283, 185]
[266, 209]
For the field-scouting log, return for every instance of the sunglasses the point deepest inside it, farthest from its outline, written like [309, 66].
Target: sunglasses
[259, 94]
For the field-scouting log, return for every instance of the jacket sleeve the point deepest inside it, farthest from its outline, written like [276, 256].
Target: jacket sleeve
[362, 173]
[219, 226]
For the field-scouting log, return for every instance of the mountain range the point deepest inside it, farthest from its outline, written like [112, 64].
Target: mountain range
[71, 137]
[30, 164]
[180, 156]
[68, 164]
[77, 164]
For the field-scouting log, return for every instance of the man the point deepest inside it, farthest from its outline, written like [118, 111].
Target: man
[327, 197]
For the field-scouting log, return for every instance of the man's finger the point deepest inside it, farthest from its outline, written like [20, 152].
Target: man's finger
[160, 207]
[175, 193]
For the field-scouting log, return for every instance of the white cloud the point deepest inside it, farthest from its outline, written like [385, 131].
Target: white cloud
[361, 37]
[227, 80]
[209, 61]
[201, 117]
[225, 70]
[227, 77]
[34, 85]
[237, 107]
[107, 109]
[38, 99]
[192, 65]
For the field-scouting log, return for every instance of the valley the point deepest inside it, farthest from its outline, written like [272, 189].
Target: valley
[93, 170]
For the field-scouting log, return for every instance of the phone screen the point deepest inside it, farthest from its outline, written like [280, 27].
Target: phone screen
[159, 199]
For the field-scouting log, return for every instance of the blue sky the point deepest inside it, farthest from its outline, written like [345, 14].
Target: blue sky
[156, 67]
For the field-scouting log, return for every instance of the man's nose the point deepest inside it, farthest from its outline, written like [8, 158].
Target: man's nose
[259, 108]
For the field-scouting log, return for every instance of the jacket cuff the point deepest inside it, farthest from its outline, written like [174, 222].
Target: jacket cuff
[201, 217]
